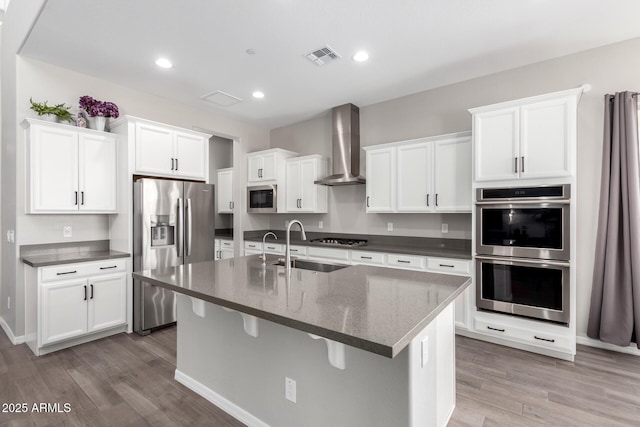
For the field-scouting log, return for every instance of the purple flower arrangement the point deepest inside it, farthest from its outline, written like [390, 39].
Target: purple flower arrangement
[93, 107]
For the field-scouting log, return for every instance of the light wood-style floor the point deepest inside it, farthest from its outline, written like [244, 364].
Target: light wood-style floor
[127, 380]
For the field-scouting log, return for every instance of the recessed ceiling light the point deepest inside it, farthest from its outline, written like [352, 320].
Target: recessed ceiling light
[361, 56]
[258, 94]
[163, 63]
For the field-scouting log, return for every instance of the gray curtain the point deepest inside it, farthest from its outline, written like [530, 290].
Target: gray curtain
[615, 296]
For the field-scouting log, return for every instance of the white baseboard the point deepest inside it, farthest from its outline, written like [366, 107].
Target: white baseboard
[15, 340]
[222, 403]
[632, 349]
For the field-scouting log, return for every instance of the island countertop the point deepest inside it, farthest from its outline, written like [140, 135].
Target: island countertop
[372, 308]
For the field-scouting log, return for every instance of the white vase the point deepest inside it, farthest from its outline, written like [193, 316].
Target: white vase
[49, 117]
[101, 121]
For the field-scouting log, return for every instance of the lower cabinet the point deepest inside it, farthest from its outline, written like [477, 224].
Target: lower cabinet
[223, 249]
[72, 301]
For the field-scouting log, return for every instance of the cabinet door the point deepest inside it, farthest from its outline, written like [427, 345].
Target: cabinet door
[63, 310]
[107, 302]
[453, 175]
[191, 155]
[461, 304]
[97, 180]
[496, 137]
[226, 253]
[154, 150]
[545, 129]
[254, 168]
[53, 170]
[268, 171]
[292, 190]
[225, 191]
[381, 182]
[415, 176]
[308, 189]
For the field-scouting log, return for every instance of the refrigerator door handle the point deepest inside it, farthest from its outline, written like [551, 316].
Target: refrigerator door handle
[180, 228]
[189, 227]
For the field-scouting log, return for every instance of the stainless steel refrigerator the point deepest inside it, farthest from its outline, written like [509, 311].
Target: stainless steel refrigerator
[173, 224]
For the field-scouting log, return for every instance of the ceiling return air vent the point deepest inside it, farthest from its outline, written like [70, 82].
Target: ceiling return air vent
[323, 56]
[221, 99]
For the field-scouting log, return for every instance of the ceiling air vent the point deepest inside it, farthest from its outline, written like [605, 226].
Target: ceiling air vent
[323, 56]
[221, 98]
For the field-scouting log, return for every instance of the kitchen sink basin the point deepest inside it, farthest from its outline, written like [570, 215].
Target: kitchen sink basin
[312, 265]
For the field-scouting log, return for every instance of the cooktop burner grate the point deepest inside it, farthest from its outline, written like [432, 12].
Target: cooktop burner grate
[335, 241]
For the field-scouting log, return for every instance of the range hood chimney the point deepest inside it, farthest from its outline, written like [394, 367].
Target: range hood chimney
[346, 147]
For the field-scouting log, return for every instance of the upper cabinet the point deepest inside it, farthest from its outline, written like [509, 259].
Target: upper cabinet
[225, 191]
[302, 194]
[70, 169]
[169, 151]
[422, 175]
[267, 165]
[525, 139]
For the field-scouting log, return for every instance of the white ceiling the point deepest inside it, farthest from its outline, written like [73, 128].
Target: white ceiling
[414, 45]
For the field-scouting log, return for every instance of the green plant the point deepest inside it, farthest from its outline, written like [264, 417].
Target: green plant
[61, 111]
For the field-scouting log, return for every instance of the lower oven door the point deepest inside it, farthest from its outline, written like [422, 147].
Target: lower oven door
[525, 287]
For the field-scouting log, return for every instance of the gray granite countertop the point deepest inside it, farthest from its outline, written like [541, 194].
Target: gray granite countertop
[372, 308]
[42, 255]
[425, 246]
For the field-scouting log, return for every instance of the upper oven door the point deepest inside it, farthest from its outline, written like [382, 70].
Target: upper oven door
[262, 199]
[523, 229]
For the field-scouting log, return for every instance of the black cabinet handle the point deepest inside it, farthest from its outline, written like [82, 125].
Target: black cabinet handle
[544, 339]
[368, 201]
[176, 164]
[446, 265]
[427, 200]
[495, 329]
[82, 197]
[107, 268]
[172, 164]
[85, 292]
[76, 202]
[91, 291]
[522, 164]
[66, 272]
[404, 261]
[364, 257]
[436, 199]
[515, 164]
[229, 205]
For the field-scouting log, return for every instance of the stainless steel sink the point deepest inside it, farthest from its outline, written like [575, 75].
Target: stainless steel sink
[312, 265]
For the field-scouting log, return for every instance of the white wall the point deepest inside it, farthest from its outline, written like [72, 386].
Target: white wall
[220, 157]
[608, 69]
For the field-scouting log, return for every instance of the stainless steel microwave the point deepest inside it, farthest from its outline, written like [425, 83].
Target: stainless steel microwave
[262, 199]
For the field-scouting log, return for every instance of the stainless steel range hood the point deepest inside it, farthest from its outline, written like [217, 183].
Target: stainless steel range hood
[346, 147]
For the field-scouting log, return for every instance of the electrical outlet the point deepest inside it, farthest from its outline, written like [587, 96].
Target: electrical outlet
[67, 231]
[320, 225]
[9, 236]
[8, 303]
[12, 236]
[290, 389]
[445, 228]
[389, 226]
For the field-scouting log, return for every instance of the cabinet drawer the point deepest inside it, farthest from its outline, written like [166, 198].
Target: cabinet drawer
[412, 262]
[326, 253]
[253, 246]
[524, 335]
[448, 265]
[226, 243]
[273, 248]
[369, 258]
[298, 251]
[68, 271]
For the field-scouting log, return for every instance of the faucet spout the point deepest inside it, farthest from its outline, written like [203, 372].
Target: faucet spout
[263, 257]
[303, 236]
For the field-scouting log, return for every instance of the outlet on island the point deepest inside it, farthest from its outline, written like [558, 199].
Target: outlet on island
[445, 228]
[290, 389]
[67, 231]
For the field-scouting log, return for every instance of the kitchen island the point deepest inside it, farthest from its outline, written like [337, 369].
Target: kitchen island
[362, 345]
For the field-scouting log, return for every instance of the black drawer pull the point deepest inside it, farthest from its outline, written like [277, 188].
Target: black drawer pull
[271, 247]
[91, 291]
[544, 339]
[66, 272]
[365, 257]
[446, 265]
[85, 292]
[293, 250]
[107, 268]
[404, 261]
[252, 246]
[495, 329]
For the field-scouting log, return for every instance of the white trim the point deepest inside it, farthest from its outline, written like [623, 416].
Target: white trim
[632, 349]
[7, 330]
[221, 402]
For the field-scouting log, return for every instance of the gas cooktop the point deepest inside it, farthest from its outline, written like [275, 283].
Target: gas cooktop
[335, 241]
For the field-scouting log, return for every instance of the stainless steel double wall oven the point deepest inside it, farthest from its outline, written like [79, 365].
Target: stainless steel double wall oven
[523, 251]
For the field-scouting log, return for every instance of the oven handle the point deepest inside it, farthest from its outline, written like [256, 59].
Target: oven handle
[525, 260]
[510, 202]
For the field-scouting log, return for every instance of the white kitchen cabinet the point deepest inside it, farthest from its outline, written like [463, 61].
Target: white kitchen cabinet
[73, 303]
[225, 190]
[223, 249]
[381, 179]
[460, 267]
[527, 138]
[267, 165]
[168, 151]
[70, 170]
[425, 175]
[302, 194]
